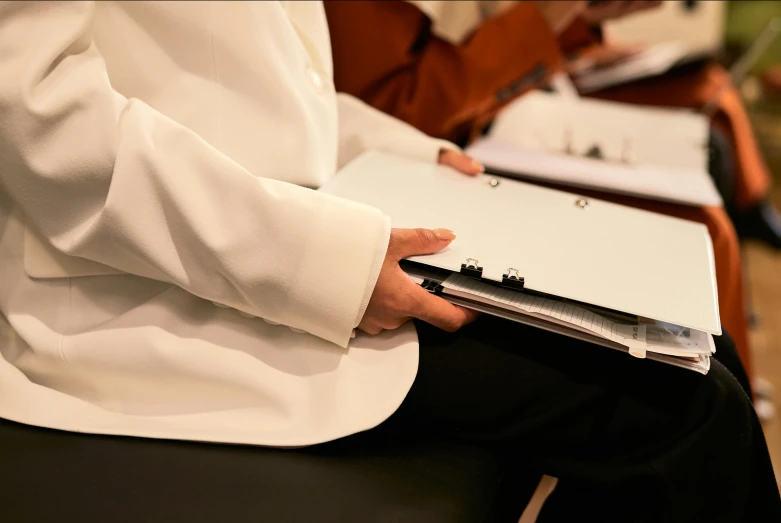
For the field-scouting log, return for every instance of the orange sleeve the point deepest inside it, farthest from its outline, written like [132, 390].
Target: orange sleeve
[385, 53]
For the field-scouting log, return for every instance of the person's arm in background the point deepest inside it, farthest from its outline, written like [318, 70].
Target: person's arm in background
[363, 128]
[578, 36]
[386, 54]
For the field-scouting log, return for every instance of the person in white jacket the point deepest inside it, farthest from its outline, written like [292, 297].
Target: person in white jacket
[167, 271]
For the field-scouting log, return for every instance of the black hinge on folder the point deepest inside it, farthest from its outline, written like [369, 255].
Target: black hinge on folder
[472, 268]
[512, 279]
[432, 286]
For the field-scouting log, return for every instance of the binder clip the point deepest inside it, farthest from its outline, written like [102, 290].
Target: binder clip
[432, 286]
[512, 279]
[471, 268]
[594, 152]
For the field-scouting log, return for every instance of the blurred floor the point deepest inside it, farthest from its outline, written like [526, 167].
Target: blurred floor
[764, 277]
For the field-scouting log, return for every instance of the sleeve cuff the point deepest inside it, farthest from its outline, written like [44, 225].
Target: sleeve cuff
[336, 269]
[374, 273]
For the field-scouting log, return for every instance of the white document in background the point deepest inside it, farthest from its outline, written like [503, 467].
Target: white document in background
[697, 26]
[675, 138]
[652, 61]
[646, 152]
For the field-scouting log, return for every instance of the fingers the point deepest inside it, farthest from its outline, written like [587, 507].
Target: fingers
[440, 313]
[460, 162]
[414, 302]
[371, 329]
[412, 242]
[377, 325]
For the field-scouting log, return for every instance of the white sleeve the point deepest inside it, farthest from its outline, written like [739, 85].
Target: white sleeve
[363, 128]
[111, 180]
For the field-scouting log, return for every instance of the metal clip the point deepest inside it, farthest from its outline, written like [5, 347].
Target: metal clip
[472, 268]
[432, 286]
[512, 279]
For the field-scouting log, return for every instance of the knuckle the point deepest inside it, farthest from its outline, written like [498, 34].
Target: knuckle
[396, 323]
[452, 324]
[391, 322]
[413, 306]
[425, 236]
[371, 328]
[395, 305]
[396, 239]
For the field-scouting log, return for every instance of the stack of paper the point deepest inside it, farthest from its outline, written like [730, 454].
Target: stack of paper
[665, 342]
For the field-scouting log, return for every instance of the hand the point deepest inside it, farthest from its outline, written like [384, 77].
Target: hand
[460, 162]
[396, 299]
[599, 12]
[558, 14]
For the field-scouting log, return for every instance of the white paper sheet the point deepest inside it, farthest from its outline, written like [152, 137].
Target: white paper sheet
[653, 61]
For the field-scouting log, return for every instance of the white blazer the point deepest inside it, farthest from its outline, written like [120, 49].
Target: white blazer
[155, 158]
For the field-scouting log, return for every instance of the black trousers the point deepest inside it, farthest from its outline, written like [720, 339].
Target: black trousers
[630, 440]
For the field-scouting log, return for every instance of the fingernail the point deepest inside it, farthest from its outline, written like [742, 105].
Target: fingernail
[477, 165]
[445, 235]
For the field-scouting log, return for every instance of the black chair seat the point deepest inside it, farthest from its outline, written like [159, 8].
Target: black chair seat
[53, 476]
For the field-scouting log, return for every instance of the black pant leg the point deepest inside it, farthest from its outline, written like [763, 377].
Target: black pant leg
[671, 444]
[722, 166]
[727, 355]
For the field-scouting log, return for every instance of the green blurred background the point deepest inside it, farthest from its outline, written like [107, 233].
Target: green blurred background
[745, 20]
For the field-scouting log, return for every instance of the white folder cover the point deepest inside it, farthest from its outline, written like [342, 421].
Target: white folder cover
[587, 250]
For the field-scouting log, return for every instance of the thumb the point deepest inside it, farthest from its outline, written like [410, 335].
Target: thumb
[412, 242]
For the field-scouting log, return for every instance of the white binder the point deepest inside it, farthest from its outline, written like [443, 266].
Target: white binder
[560, 244]
[651, 153]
